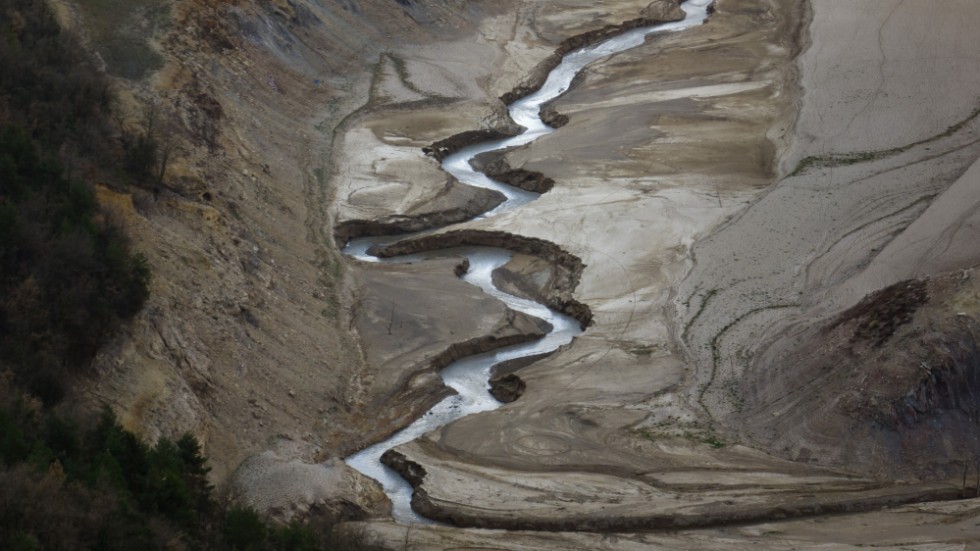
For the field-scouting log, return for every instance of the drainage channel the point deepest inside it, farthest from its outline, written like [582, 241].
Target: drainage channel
[469, 376]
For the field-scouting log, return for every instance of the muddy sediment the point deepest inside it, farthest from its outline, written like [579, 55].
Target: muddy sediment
[902, 365]
[494, 164]
[444, 148]
[659, 11]
[399, 224]
[664, 11]
[503, 369]
[422, 503]
[526, 276]
[421, 388]
[700, 517]
[572, 266]
[531, 330]
[415, 394]
[568, 267]
[642, 171]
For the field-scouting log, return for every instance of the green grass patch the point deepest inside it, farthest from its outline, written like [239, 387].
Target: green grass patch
[694, 432]
[713, 441]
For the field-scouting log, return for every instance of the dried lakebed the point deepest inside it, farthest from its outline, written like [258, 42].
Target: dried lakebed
[469, 376]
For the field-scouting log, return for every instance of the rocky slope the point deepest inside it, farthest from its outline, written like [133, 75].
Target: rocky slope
[250, 339]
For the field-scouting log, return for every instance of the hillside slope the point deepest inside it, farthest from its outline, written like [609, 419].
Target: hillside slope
[246, 340]
[833, 320]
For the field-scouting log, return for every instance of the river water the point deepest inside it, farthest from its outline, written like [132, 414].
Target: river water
[469, 376]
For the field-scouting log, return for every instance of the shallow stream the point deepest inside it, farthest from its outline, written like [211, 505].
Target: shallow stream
[469, 376]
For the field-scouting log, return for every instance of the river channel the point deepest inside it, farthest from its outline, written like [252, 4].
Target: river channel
[469, 376]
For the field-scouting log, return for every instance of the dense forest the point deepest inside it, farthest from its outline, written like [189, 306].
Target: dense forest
[68, 281]
[67, 276]
[66, 484]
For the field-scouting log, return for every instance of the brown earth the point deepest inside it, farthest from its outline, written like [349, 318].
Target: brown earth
[249, 340]
[830, 321]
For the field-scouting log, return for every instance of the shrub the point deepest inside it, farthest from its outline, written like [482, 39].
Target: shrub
[66, 484]
[66, 278]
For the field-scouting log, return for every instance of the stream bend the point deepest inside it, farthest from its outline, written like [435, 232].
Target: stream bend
[469, 376]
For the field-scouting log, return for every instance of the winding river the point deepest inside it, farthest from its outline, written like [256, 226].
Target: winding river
[469, 376]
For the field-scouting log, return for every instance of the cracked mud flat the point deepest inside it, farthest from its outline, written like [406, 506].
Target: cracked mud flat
[670, 183]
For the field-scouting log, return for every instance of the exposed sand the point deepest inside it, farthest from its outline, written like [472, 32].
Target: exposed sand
[927, 527]
[289, 488]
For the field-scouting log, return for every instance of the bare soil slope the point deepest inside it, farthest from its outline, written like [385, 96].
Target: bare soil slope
[824, 320]
[248, 340]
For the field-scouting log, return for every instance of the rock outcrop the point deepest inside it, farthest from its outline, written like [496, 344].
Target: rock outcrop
[507, 388]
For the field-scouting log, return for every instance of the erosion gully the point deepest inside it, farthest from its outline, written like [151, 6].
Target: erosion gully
[469, 377]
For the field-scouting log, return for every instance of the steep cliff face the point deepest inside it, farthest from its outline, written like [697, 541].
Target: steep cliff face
[246, 340]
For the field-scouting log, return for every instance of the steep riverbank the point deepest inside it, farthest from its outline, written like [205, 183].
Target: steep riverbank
[248, 340]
